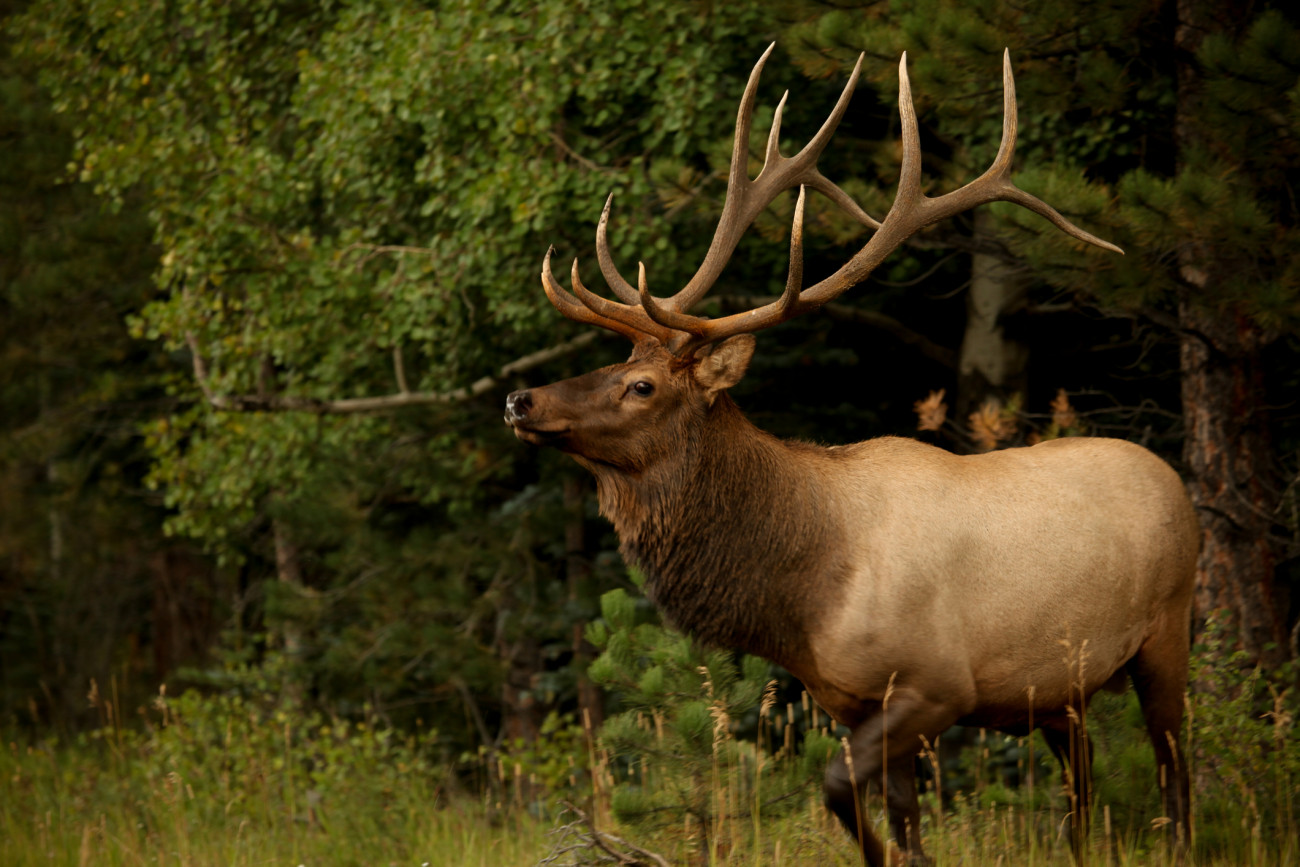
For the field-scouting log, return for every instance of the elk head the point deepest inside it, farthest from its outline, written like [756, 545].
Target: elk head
[621, 415]
[627, 415]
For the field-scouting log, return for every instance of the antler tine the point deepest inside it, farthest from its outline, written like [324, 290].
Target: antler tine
[623, 289]
[560, 299]
[773, 153]
[738, 172]
[666, 316]
[1001, 167]
[786, 307]
[794, 279]
[629, 315]
[1010, 118]
[909, 173]
[573, 309]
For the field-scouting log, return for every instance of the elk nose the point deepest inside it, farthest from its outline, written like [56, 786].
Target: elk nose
[518, 403]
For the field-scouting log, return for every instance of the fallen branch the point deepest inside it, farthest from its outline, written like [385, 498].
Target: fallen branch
[582, 845]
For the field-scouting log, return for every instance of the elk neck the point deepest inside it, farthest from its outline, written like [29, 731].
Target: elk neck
[736, 533]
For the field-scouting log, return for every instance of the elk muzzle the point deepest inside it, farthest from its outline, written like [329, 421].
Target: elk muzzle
[518, 405]
[529, 423]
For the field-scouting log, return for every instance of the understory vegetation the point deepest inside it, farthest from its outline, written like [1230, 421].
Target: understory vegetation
[708, 764]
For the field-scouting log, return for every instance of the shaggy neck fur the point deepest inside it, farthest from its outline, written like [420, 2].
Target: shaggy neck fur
[732, 532]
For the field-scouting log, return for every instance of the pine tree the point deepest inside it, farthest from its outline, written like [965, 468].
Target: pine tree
[680, 749]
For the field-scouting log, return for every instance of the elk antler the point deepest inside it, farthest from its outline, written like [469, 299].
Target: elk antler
[642, 316]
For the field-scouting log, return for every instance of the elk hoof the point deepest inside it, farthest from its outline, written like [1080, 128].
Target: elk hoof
[899, 858]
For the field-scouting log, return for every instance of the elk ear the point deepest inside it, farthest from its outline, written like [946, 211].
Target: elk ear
[725, 363]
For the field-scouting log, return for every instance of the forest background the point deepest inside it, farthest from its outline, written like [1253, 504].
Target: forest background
[267, 271]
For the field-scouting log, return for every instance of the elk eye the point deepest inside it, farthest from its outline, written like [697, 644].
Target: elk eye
[643, 388]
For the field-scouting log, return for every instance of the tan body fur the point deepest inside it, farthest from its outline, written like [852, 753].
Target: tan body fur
[978, 577]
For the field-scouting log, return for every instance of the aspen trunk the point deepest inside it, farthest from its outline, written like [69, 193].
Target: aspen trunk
[288, 568]
[991, 364]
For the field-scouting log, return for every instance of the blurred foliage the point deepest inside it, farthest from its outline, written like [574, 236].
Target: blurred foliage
[332, 185]
[329, 188]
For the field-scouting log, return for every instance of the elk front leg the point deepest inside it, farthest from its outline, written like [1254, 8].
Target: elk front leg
[891, 735]
[905, 810]
[1072, 746]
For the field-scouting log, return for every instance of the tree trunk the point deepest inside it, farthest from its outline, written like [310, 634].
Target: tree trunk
[288, 567]
[591, 704]
[183, 623]
[1233, 481]
[522, 713]
[521, 718]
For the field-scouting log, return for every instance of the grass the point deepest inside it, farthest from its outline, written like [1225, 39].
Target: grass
[222, 782]
[458, 833]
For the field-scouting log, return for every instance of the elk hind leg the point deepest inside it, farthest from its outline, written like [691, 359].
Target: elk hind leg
[905, 810]
[1159, 672]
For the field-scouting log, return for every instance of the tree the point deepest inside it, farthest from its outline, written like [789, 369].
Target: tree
[1238, 269]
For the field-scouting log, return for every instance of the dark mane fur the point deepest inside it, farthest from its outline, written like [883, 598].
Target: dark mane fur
[727, 535]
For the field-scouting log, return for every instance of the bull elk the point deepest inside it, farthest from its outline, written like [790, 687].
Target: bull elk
[908, 588]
